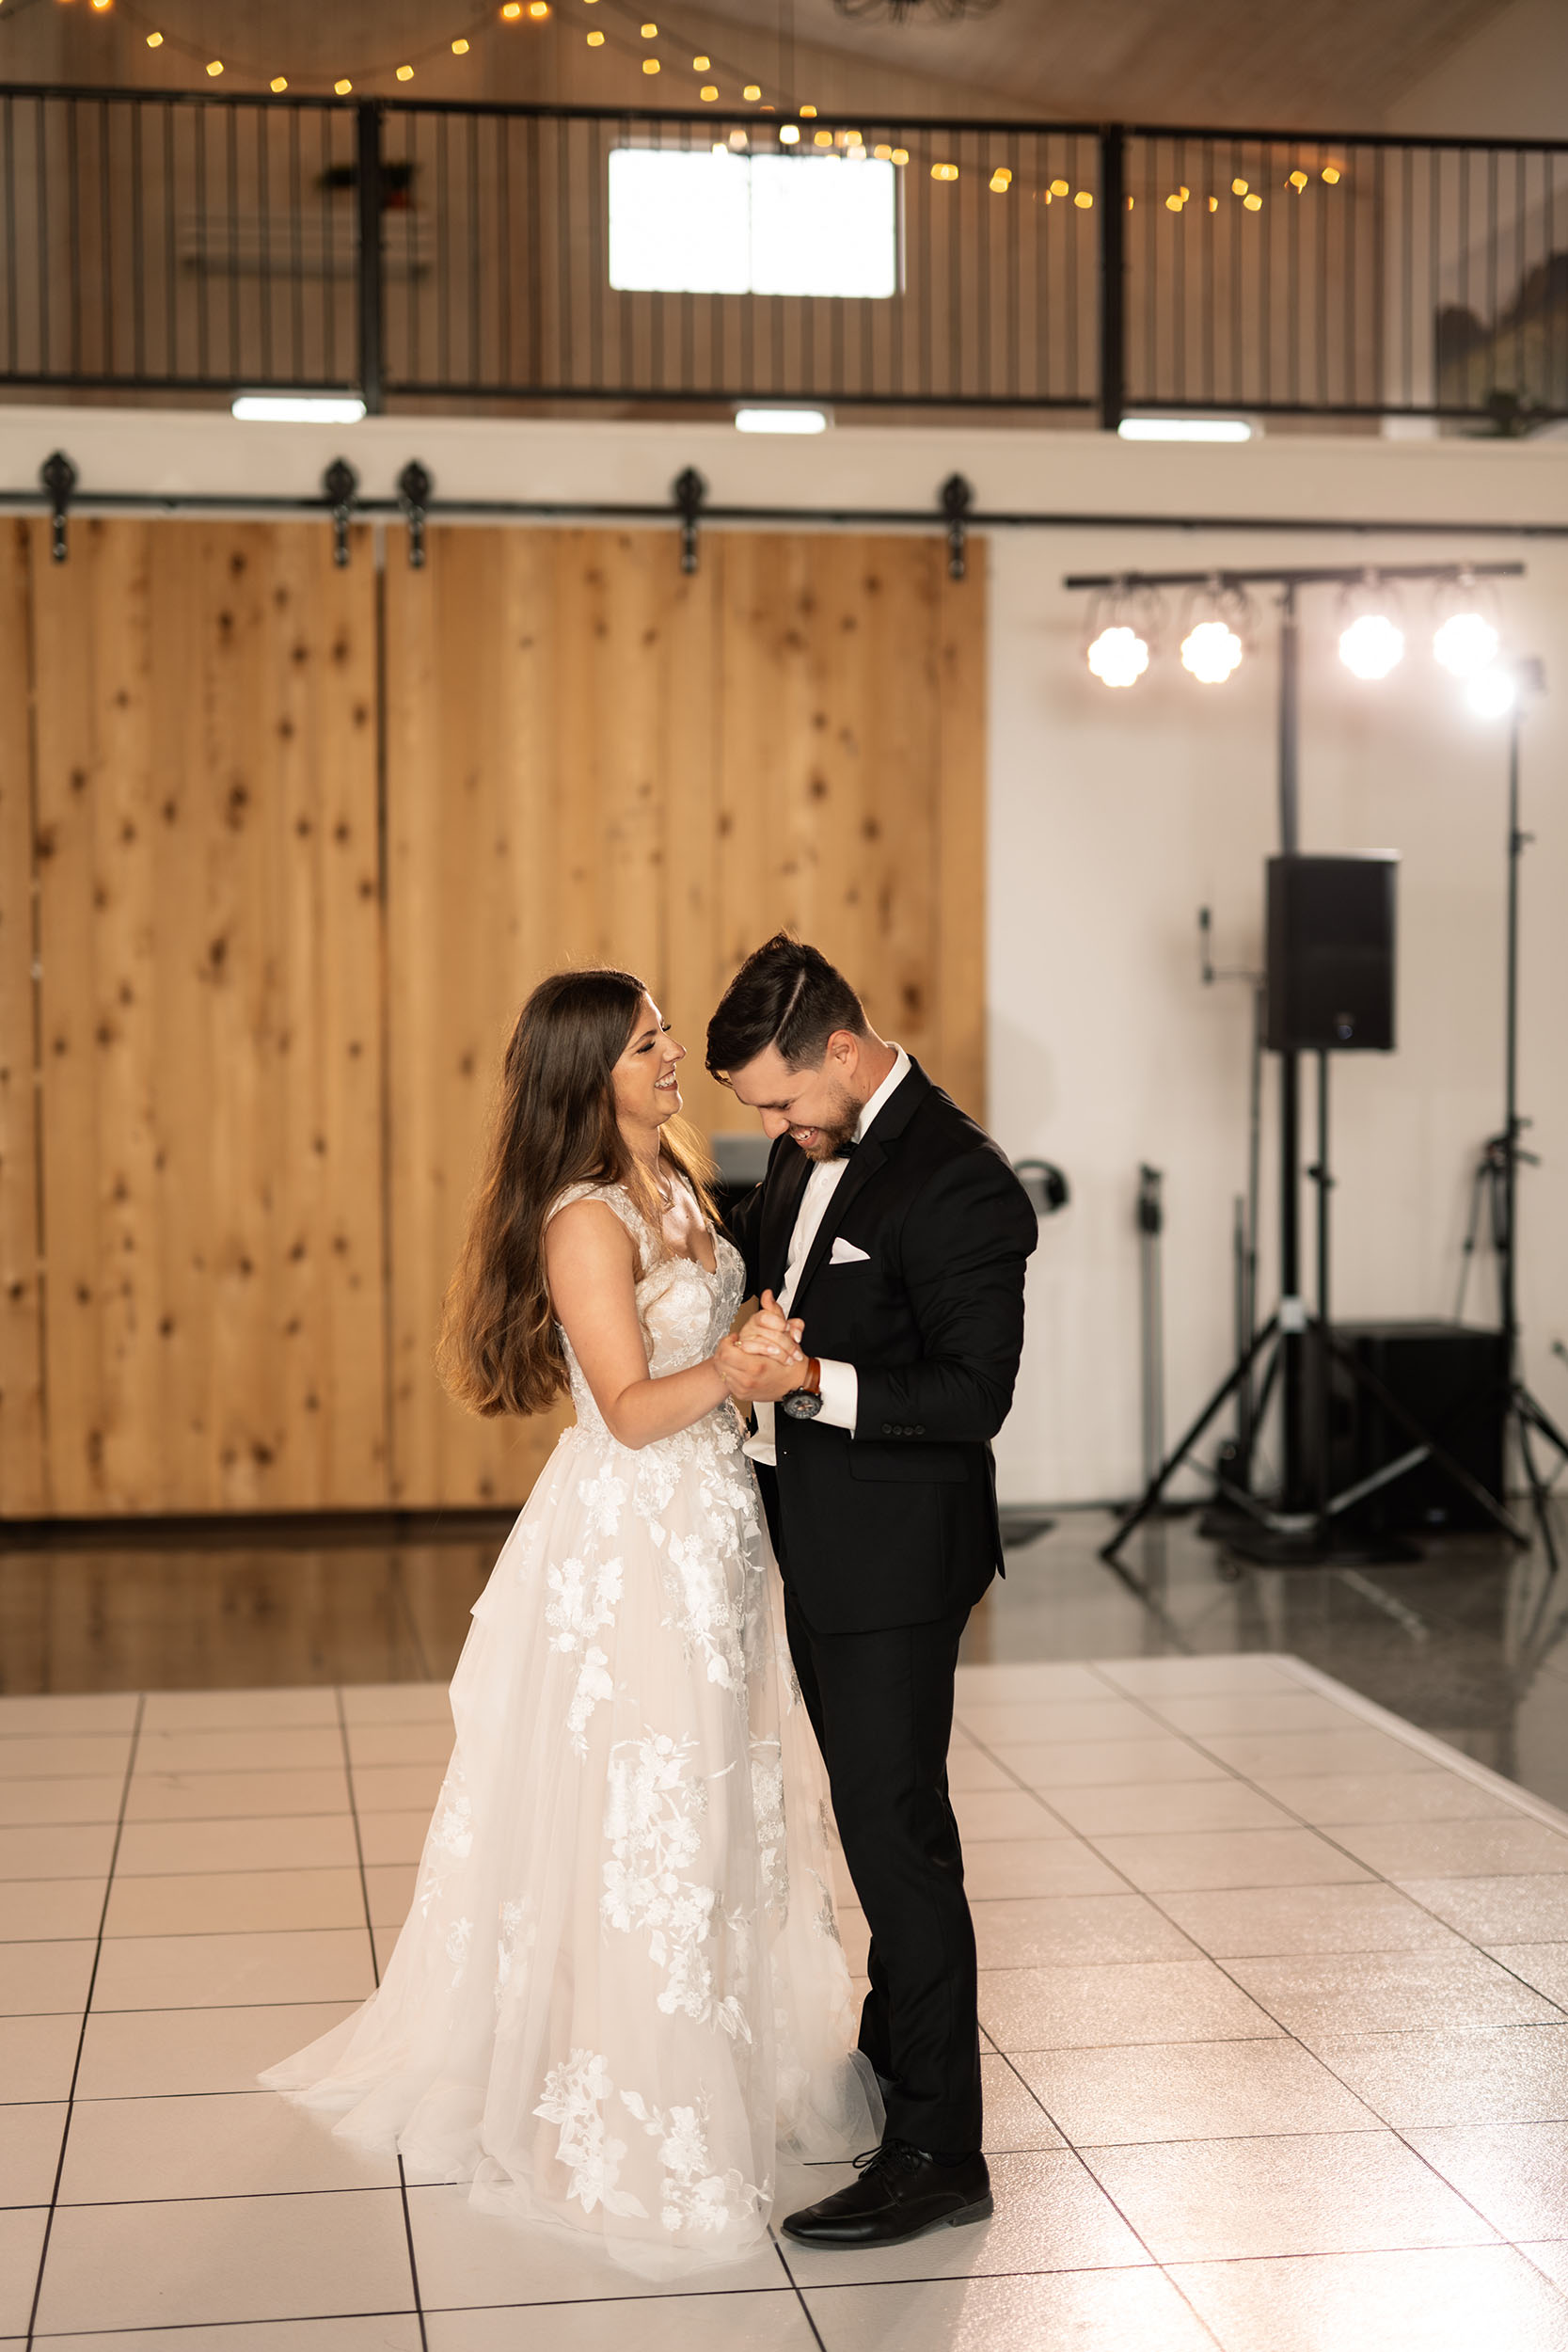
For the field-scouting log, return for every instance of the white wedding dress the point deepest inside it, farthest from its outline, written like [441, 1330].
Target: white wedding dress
[620, 1987]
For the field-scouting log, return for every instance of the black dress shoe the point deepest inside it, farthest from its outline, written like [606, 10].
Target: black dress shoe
[901, 2191]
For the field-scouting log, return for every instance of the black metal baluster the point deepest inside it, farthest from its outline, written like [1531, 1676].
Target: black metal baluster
[263, 121]
[297, 235]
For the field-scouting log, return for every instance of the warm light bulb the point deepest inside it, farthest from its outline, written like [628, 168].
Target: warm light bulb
[807, 112]
[1119, 656]
[511, 8]
[883, 154]
[708, 92]
[1059, 187]
[1251, 203]
[341, 89]
[154, 40]
[1298, 180]
[406, 74]
[649, 65]
[215, 67]
[822, 138]
[1371, 645]
[1238, 187]
[1173, 203]
[460, 49]
[1083, 199]
[941, 171]
[791, 134]
[1491, 693]
[595, 41]
[1331, 174]
[1466, 643]
[752, 89]
[997, 183]
[701, 65]
[279, 83]
[538, 8]
[650, 32]
[1211, 651]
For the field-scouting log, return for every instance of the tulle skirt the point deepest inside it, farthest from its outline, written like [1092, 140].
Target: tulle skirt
[620, 1989]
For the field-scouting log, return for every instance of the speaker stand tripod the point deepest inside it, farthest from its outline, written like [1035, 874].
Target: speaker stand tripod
[1496, 1190]
[1314, 1532]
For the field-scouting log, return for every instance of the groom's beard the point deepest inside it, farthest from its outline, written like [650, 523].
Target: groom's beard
[829, 1139]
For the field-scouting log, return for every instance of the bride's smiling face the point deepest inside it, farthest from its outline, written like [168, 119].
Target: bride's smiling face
[647, 1092]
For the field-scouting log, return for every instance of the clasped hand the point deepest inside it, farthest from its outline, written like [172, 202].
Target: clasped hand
[762, 1362]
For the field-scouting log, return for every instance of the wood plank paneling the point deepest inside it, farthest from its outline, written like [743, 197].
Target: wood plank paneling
[23, 1485]
[210, 1016]
[265, 1093]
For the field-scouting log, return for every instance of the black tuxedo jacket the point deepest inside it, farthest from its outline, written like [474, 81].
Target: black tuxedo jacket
[896, 1523]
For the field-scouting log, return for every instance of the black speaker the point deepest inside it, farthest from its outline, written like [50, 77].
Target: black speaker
[1454, 1381]
[1330, 954]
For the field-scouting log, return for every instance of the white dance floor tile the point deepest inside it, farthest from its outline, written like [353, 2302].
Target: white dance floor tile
[1275, 1992]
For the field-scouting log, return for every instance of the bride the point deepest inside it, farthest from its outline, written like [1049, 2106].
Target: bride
[620, 1987]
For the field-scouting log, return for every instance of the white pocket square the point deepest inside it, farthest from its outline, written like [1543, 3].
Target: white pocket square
[845, 1253]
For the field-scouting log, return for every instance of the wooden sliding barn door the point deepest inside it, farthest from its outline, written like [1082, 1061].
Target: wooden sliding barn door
[210, 1018]
[592, 758]
[289, 844]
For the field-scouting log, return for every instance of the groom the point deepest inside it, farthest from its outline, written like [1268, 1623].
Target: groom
[892, 1228]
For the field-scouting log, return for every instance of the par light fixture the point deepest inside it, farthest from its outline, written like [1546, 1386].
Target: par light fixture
[1371, 642]
[1466, 638]
[1217, 632]
[1121, 631]
[1119, 656]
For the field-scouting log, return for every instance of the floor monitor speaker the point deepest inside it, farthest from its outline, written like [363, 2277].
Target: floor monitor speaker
[1330, 954]
[1453, 1380]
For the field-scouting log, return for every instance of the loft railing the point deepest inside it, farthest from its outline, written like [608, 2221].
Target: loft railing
[161, 243]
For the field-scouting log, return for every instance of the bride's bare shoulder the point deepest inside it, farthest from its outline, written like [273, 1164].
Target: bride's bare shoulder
[594, 1218]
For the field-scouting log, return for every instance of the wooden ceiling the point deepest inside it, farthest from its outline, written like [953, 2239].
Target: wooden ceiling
[1326, 64]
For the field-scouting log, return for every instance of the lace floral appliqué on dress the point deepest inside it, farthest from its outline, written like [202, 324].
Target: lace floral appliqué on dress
[605, 2011]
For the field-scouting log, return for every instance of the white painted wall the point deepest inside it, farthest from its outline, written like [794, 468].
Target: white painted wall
[1113, 817]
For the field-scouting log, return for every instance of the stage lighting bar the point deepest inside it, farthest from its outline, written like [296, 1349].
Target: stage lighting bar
[1216, 636]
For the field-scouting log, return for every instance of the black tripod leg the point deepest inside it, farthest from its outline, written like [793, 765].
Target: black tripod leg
[1539, 1492]
[1454, 1471]
[1174, 1460]
[1538, 1418]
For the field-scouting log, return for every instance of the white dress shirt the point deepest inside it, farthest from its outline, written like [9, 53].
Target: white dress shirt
[840, 1382]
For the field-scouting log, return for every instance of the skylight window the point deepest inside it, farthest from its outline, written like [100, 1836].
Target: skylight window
[723, 223]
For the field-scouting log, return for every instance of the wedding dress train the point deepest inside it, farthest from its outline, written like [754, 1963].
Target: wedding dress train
[620, 1986]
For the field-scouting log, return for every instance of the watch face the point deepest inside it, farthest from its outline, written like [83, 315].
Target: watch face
[801, 1406]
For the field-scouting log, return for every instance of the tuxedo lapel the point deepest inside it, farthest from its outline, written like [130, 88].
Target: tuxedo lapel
[867, 1158]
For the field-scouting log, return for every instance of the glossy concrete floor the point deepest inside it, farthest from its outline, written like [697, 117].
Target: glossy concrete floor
[1471, 1642]
[1273, 1991]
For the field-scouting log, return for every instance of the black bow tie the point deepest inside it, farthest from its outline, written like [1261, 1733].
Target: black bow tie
[845, 1148]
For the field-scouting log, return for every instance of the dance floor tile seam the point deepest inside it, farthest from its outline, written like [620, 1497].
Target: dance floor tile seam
[1322, 1954]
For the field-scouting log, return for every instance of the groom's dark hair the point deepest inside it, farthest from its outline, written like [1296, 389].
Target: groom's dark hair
[786, 994]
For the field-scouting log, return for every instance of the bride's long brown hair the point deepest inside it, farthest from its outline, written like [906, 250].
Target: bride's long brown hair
[554, 1125]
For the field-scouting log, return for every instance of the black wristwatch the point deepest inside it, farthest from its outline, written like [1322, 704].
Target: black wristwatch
[805, 1403]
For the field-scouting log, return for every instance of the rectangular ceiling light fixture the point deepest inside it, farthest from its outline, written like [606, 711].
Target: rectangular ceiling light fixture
[716, 222]
[298, 408]
[781, 421]
[1185, 429]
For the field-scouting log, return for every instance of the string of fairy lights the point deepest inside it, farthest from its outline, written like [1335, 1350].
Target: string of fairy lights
[656, 48]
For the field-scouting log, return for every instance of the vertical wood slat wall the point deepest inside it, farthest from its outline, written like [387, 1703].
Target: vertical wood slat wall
[267, 1062]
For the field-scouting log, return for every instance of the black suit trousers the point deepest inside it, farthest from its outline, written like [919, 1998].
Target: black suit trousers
[881, 1705]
